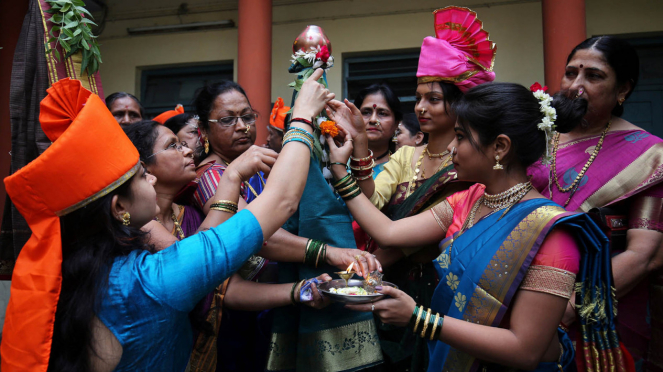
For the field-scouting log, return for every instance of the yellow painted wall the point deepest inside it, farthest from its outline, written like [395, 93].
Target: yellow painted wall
[516, 29]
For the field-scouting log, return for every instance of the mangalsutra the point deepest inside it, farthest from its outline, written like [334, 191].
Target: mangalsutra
[176, 223]
[576, 182]
[418, 168]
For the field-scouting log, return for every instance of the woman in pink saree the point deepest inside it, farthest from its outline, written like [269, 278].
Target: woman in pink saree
[615, 170]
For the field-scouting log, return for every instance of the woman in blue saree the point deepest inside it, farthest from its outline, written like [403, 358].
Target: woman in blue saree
[510, 259]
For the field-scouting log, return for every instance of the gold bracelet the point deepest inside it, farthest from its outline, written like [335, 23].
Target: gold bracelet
[423, 331]
[432, 332]
[222, 209]
[226, 202]
[416, 324]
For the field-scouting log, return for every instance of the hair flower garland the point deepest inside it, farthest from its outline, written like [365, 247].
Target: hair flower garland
[547, 124]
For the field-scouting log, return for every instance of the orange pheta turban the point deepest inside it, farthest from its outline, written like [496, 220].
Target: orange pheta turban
[90, 156]
[279, 112]
[164, 116]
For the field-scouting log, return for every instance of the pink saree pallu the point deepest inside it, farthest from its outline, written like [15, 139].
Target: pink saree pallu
[626, 175]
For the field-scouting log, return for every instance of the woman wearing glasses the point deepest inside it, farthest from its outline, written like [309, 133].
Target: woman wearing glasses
[226, 125]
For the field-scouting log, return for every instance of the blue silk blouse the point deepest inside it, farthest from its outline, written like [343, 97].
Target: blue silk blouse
[149, 296]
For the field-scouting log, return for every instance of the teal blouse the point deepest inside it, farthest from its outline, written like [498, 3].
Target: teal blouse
[149, 296]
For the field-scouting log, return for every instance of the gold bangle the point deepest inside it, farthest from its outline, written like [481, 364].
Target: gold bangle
[226, 202]
[318, 258]
[222, 209]
[354, 183]
[423, 331]
[308, 245]
[416, 324]
[432, 332]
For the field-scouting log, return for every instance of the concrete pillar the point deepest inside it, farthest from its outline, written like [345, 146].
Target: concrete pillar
[564, 27]
[254, 60]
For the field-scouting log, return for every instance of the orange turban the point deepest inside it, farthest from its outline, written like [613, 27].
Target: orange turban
[90, 156]
[161, 118]
[277, 118]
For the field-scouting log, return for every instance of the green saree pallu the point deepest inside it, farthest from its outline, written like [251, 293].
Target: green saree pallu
[333, 338]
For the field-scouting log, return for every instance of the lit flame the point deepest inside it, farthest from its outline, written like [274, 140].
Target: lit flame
[349, 269]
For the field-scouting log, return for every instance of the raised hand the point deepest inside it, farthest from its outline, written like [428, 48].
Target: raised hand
[312, 98]
[254, 159]
[343, 257]
[347, 116]
[340, 154]
[395, 310]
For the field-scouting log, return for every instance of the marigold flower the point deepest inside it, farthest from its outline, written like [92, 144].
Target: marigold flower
[329, 127]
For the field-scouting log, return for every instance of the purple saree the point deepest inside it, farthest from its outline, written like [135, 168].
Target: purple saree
[627, 173]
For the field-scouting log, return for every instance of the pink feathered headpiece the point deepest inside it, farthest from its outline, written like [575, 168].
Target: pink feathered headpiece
[461, 52]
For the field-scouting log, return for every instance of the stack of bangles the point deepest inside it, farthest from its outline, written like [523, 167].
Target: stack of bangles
[315, 250]
[299, 135]
[347, 187]
[224, 206]
[362, 168]
[292, 291]
[431, 326]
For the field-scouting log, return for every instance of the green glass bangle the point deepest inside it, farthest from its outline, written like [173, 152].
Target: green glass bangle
[352, 195]
[342, 180]
[292, 293]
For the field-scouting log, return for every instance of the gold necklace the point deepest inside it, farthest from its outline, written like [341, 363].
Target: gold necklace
[431, 156]
[518, 192]
[419, 168]
[576, 181]
[176, 223]
[507, 198]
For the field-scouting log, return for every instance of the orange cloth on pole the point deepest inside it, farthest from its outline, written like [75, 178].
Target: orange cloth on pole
[90, 156]
[279, 112]
[161, 118]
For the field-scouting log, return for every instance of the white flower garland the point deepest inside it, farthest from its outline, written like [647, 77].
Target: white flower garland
[547, 124]
[312, 59]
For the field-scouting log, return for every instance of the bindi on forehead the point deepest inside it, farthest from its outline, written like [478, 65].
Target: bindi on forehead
[374, 106]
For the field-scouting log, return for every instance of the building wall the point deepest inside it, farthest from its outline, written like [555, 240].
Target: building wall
[380, 25]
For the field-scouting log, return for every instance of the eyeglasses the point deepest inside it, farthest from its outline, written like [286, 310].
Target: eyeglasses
[179, 146]
[230, 121]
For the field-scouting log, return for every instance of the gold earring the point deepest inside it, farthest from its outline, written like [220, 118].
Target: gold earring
[621, 101]
[126, 218]
[206, 145]
[497, 166]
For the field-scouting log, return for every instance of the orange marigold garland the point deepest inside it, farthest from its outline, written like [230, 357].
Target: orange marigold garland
[329, 127]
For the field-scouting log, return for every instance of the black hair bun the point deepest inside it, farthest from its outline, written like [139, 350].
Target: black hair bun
[570, 112]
